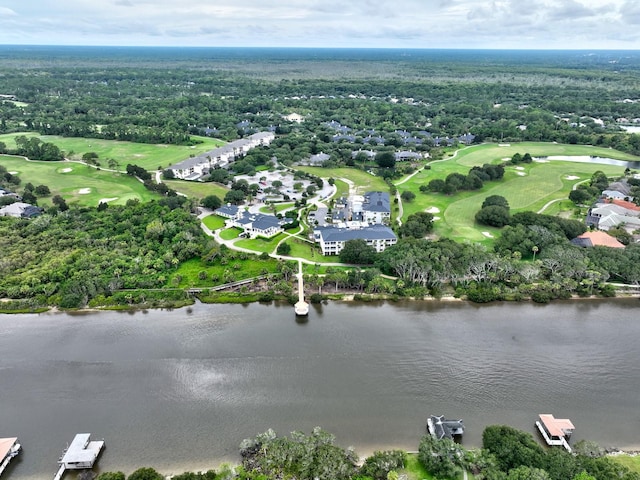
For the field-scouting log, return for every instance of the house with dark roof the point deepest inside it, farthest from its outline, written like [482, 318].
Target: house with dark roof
[407, 155]
[256, 224]
[376, 208]
[332, 239]
[318, 159]
[194, 168]
[228, 211]
[440, 428]
[20, 210]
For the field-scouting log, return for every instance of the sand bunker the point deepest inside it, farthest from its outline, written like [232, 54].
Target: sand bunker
[487, 234]
[105, 200]
[84, 191]
[522, 174]
[504, 144]
[506, 159]
[432, 210]
[519, 168]
[13, 173]
[436, 218]
[571, 177]
[66, 170]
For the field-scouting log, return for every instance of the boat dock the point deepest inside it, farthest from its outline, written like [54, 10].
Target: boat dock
[555, 431]
[9, 449]
[440, 428]
[301, 307]
[81, 454]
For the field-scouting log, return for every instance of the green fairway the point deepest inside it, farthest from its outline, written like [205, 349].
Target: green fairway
[197, 189]
[364, 182]
[148, 156]
[260, 244]
[77, 183]
[526, 187]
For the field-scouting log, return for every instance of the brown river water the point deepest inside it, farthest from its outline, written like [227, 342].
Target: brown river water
[179, 390]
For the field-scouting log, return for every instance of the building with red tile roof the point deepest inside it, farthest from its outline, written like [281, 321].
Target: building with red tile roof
[597, 238]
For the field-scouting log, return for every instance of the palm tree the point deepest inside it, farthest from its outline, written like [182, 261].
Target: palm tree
[535, 250]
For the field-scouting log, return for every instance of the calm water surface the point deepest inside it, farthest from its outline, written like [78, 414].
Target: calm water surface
[178, 390]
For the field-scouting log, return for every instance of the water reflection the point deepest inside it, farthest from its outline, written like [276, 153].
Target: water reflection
[180, 391]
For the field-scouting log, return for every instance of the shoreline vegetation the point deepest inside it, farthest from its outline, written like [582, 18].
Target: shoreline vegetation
[505, 451]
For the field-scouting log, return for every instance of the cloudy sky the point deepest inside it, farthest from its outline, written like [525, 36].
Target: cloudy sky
[577, 24]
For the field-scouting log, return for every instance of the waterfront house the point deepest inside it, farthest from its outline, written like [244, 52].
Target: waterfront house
[332, 239]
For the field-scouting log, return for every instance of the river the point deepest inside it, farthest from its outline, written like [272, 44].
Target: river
[178, 390]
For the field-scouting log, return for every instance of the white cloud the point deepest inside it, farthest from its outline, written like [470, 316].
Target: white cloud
[330, 23]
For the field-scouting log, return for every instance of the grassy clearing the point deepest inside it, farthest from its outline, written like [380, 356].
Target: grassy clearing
[414, 469]
[197, 189]
[213, 222]
[188, 273]
[631, 462]
[261, 244]
[77, 183]
[308, 251]
[529, 187]
[150, 157]
[364, 181]
[342, 189]
[279, 207]
[230, 233]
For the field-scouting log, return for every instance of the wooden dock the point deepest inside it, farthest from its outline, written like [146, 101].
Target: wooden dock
[82, 453]
[9, 448]
[301, 307]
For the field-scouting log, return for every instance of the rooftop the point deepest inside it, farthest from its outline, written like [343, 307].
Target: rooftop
[598, 238]
[5, 446]
[557, 427]
[375, 232]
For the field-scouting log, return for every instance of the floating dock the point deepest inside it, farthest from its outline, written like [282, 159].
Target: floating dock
[81, 454]
[555, 431]
[440, 428]
[9, 449]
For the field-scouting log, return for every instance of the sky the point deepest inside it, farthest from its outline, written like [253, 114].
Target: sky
[503, 24]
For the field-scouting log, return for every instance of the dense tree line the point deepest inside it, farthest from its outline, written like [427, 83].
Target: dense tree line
[71, 257]
[506, 454]
[148, 101]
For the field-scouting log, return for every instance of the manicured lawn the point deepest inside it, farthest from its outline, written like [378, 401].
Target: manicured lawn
[261, 244]
[309, 251]
[632, 463]
[197, 189]
[364, 181]
[78, 183]
[230, 233]
[214, 222]
[279, 207]
[529, 187]
[150, 157]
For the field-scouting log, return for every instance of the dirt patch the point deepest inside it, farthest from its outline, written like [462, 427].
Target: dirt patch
[84, 191]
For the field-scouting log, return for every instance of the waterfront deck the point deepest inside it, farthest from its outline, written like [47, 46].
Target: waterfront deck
[81, 454]
[9, 449]
[555, 431]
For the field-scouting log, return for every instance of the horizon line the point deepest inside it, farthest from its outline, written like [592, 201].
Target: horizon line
[554, 49]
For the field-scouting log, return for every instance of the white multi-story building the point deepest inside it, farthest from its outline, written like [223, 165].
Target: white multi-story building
[332, 239]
